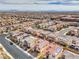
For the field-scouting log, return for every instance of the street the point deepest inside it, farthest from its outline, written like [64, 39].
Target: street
[13, 50]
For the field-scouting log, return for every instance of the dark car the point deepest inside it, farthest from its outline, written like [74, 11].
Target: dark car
[72, 46]
[77, 49]
[11, 43]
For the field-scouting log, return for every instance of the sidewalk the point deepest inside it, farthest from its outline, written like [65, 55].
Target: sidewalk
[4, 54]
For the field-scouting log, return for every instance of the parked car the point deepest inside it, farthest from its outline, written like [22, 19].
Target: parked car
[11, 43]
[74, 47]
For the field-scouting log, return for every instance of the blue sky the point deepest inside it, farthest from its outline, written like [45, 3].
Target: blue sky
[39, 5]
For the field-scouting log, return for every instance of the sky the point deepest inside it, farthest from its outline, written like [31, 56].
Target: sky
[39, 5]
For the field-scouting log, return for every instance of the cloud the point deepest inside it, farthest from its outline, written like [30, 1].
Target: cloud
[58, 6]
[39, 7]
[39, 1]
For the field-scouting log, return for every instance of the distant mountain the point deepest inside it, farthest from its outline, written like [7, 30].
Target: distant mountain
[36, 11]
[61, 11]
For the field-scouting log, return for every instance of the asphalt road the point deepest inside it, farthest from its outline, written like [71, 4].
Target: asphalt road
[13, 50]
